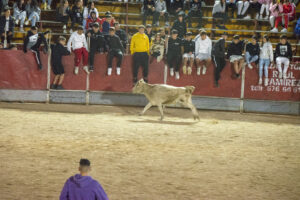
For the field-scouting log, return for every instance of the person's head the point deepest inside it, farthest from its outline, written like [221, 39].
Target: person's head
[225, 35]
[283, 39]
[188, 36]
[174, 34]
[117, 25]
[78, 3]
[95, 27]
[80, 30]
[29, 1]
[265, 38]
[203, 35]
[108, 18]
[91, 5]
[65, 3]
[62, 40]
[254, 40]
[180, 17]
[162, 32]
[111, 31]
[93, 15]
[34, 30]
[196, 1]
[148, 28]
[6, 12]
[84, 166]
[157, 37]
[141, 29]
[236, 39]
[34, 3]
[20, 2]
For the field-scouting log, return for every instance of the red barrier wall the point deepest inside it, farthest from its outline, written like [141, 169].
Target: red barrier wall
[277, 89]
[19, 71]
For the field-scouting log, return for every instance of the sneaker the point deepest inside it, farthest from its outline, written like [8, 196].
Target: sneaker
[284, 76]
[45, 6]
[109, 70]
[177, 75]
[184, 69]
[71, 31]
[40, 66]
[171, 72]
[260, 81]
[247, 17]
[283, 30]
[250, 66]
[266, 81]
[59, 87]
[65, 31]
[49, 7]
[266, 17]
[216, 84]
[260, 17]
[26, 22]
[257, 16]
[204, 70]
[118, 71]
[64, 27]
[167, 24]
[86, 69]
[53, 86]
[76, 70]
[280, 75]
[274, 30]
[189, 70]
[91, 68]
[16, 22]
[198, 71]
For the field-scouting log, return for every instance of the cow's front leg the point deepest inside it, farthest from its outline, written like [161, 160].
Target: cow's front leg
[160, 108]
[146, 108]
[191, 106]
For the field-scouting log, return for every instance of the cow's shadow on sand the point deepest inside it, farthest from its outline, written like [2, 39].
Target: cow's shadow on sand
[165, 121]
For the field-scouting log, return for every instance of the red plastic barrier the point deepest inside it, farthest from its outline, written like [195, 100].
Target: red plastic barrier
[205, 83]
[101, 82]
[19, 71]
[277, 89]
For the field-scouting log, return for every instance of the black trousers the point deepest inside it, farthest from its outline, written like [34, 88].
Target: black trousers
[222, 16]
[219, 63]
[140, 59]
[157, 15]
[8, 38]
[194, 13]
[115, 53]
[231, 6]
[147, 13]
[37, 55]
[174, 59]
[94, 48]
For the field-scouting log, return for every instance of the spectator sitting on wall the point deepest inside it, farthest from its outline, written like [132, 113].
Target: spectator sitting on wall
[161, 10]
[139, 48]
[148, 10]
[115, 50]
[218, 56]
[82, 186]
[80, 48]
[203, 47]
[77, 14]
[231, 4]
[219, 12]
[91, 20]
[33, 12]
[283, 55]
[20, 13]
[176, 7]
[157, 47]
[97, 43]
[149, 32]
[7, 26]
[252, 52]
[33, 41]
[122, 35]
[63, 13]
[57, 51]
[195, 11]
[180, 25]
[87, 12]
[174, 53]
[235, 55]
[265, 58]
[188, 53]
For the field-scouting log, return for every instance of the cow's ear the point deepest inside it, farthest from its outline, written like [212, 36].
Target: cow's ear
[142, 81]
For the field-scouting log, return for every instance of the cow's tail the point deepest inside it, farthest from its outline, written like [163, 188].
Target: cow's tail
[189, 89]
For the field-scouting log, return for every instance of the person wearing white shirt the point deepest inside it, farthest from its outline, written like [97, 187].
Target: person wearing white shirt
[203, 47]
[78, 44]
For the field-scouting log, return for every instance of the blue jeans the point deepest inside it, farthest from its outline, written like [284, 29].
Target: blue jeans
[264, 64]
[34, 17]
[249, 58]
[49, 2]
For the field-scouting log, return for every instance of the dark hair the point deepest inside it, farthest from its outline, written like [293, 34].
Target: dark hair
[95, 25]
[61, 38]
[111, 28]
[84, 162]
[254, 37]
[174, 31]
[283, 37]
[266, 37]
[236, 37]
[89, 6]
[33, 28]
[203, 33]
[80, 28]
[148, 26]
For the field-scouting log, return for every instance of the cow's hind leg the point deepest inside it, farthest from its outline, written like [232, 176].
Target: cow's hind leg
[160, 108]
[146, 108]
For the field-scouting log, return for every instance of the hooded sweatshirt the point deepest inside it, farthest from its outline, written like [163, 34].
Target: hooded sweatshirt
[202, 46]
[253, 49]
[284, 50]
[276, 9]
[82, 188]
[266, 51]
[77, 41]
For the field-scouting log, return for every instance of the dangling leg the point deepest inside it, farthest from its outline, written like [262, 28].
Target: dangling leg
[146, 108]
[160, 108]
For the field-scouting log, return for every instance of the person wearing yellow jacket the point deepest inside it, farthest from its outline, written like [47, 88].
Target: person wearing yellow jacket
[139, 48]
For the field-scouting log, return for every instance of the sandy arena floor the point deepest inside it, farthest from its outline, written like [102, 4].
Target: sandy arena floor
[225, 156]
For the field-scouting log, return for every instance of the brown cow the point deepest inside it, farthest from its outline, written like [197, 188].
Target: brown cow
[161, 95]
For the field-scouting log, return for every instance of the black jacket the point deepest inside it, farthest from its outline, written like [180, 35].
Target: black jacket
[147, 3]
[114, 43]
[58, 51]
[196, 6]
[236, 49]
[77, 12]
[180, 27]
[122, 35]
[253, 49]
[176, 4]
[188, 46]
[174, 46]
[284, 50]
[3, 22]
[37, 43]
[97, 40]
[218, 49]
[149, 35]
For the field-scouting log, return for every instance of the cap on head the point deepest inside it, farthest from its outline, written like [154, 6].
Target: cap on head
[141, 26]
[236, 37]
[148, 26]
[33, 28]
[84, 162]
[189, 34]
[174, 31]
[95, 25]
[181, 14]
[282, 37]
[61, 38]
[107, 13]
[203, 32]
[80, 28]
[112, 29]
